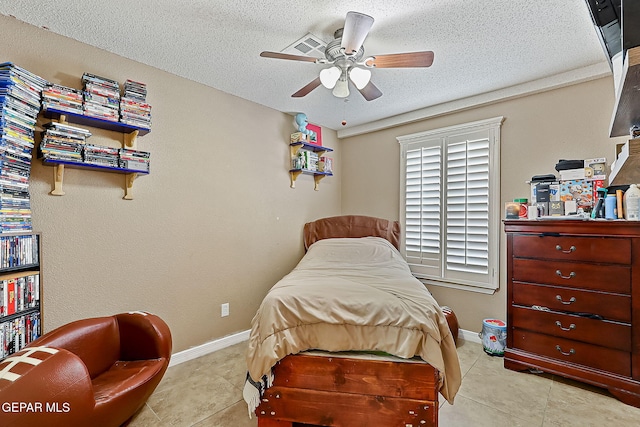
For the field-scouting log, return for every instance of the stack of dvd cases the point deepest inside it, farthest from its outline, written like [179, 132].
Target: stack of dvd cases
[134, 109]
[20, 95]
[101, 97]
[63, 142]
[134, 160]
[62, 98]
[100, 155]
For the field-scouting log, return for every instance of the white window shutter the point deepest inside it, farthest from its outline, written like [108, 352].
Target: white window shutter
[450, 204]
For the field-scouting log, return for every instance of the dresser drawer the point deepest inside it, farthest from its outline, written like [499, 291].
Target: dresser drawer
[595, 249]
[609, 306]
[609, 278]
[592, 331]
[566, 350]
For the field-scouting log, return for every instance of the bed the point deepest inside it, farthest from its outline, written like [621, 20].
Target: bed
[349, 337]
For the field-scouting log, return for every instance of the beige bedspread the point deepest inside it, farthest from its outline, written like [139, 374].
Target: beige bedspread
[353, 294]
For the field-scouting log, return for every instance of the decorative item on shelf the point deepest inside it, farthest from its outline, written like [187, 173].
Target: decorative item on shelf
[325, 164]
[20, 102]
[304, 133]
[316, 133]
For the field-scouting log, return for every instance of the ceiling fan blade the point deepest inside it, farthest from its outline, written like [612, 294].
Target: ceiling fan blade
[370, 92]
[401, 60]
[278, 55]
[356, 28]
[308, 88]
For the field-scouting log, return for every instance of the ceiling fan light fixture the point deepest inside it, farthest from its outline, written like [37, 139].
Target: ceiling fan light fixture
[342, 89]
[360, 77]
[329, 77]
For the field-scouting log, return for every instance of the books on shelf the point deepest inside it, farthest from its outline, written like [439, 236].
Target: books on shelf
[58, 97]
[134, 109]
[63, 142]
[18, 251]
[101, 97]
[17, 333]
[20, 103]
[134, 160]
[19, 292]
[100, 155]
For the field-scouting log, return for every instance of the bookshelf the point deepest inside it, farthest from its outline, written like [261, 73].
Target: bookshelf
[295, 149]
[130, 134]
[20, 291]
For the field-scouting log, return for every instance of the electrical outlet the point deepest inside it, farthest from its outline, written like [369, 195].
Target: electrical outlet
[224, 309]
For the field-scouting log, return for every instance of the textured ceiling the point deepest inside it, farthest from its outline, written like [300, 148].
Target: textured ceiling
[481, 46]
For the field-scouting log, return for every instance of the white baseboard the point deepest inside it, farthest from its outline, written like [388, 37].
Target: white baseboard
[229, 340]
[469, 336]
[209, 347]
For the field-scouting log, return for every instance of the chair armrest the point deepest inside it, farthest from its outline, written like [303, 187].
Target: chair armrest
[45, 386]
[143, 336]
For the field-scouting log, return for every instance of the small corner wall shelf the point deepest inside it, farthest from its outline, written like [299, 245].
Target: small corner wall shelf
[295, 148]
[130, 134]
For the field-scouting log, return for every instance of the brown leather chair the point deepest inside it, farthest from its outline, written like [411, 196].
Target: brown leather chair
[91, 372]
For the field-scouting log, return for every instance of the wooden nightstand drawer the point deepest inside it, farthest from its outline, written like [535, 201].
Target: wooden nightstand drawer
[593, 331]
[609, 278]
[570, 351]
[609, 306]
[596, 249]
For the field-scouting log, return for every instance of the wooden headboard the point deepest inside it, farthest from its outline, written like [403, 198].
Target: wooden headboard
[351, 226]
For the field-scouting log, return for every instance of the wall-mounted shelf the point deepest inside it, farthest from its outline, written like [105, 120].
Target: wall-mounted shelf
[294, 149]
[130, 134]
[317, 176]
[95, 122]
[626, 168]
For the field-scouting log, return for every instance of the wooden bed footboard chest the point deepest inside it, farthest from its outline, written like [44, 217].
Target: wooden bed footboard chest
[573, 301]
[314, 390]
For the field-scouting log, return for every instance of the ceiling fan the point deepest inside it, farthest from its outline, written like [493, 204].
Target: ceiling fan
[346, 56]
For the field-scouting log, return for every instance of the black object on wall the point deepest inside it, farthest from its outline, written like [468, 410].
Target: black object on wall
[607, 18]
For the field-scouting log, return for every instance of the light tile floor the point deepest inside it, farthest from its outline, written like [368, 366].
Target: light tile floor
[207, 392]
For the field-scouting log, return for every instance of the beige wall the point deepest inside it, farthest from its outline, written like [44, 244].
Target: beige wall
[540, 129]
[214, 222]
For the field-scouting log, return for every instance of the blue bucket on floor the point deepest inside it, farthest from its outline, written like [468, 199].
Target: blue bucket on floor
[494, 336]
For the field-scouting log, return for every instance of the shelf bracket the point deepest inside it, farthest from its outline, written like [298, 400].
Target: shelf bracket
[128, 187]
[58, 178]
[130, 140]
[317, 179]
[294, 175]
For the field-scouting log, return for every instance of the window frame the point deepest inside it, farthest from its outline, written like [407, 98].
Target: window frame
[441, 138]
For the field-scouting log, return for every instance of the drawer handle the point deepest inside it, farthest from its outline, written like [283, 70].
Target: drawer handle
[572, 351]
[571, 326]
[572, 274]
[571, 300]
[571, 249]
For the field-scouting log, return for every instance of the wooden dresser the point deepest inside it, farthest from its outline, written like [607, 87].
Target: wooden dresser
[573, 301]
